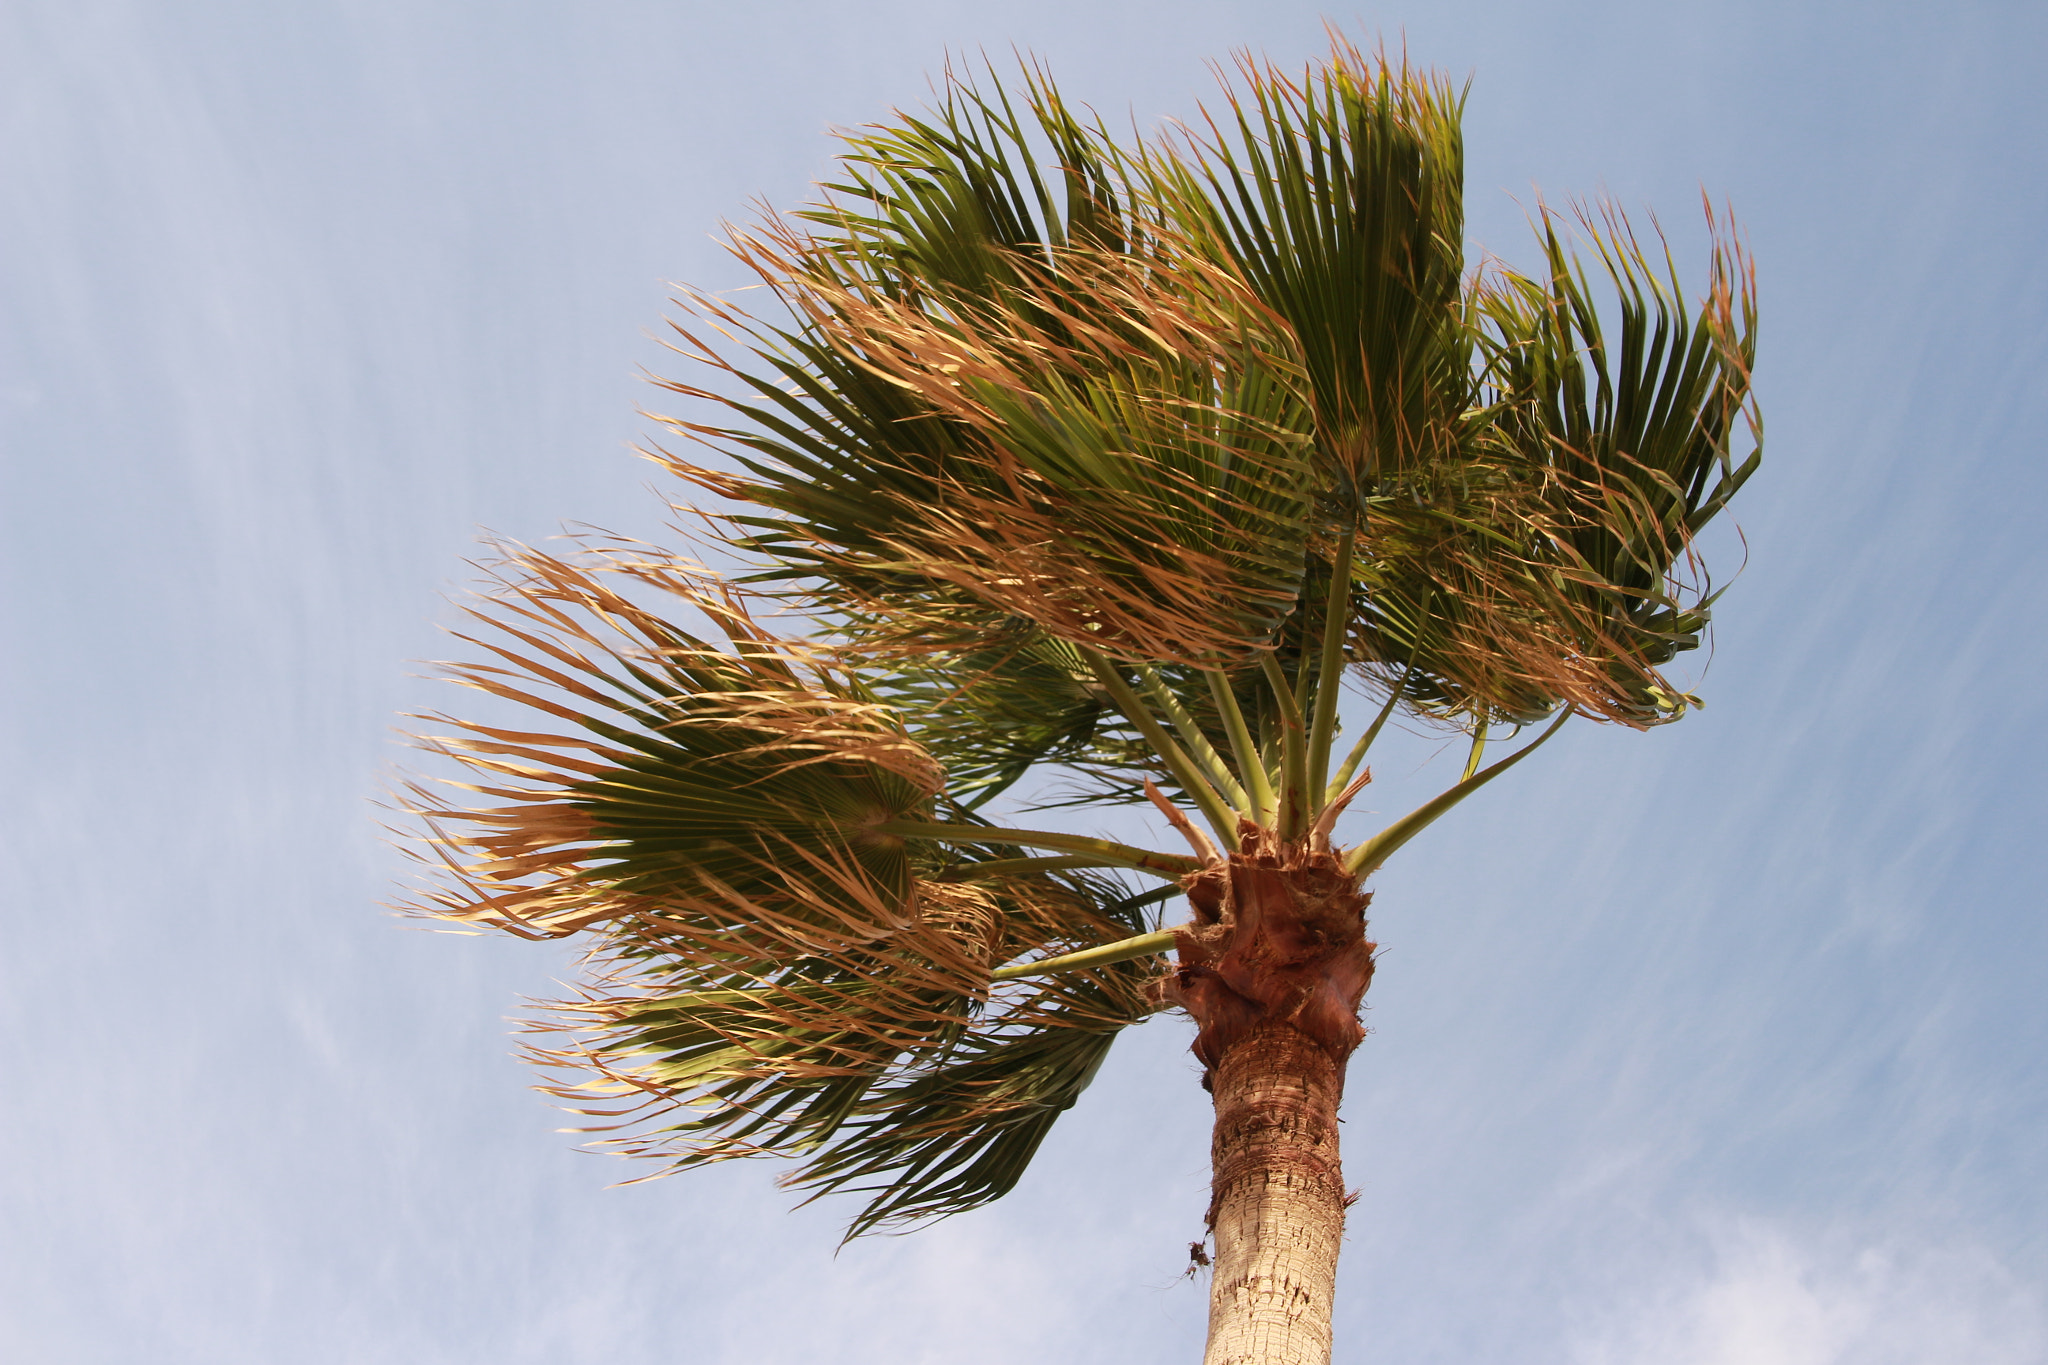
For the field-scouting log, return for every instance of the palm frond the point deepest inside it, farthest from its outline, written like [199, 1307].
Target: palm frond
[711, 782]
[856, 1063]
[1337, 196]
[765, 961]
[1113, 449]
[1555, 565]
[959, 1135]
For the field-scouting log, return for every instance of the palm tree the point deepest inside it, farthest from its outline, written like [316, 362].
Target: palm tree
[1110, 464]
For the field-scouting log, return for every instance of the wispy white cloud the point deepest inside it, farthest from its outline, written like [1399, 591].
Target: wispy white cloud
[1769, 1294]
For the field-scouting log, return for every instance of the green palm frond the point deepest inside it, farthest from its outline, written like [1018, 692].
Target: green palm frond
[1135, 479]
[1109, 443]
[1640, 433]
[690, 776]
[961, 1134]
[1338, 197]
[802, 1064]
[1554, 564]
[956, 203]
[771, 963]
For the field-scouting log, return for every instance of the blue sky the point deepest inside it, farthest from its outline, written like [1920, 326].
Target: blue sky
[1717, 1046]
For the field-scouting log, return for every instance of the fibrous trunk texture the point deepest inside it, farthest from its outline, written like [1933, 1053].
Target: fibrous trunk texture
[1273, 969]
[1278, 1208]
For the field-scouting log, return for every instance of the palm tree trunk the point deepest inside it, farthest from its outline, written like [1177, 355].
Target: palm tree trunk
[1273, 969]
[1278, 1205]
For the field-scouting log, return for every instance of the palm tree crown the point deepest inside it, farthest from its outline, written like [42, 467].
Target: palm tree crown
[1112, 462]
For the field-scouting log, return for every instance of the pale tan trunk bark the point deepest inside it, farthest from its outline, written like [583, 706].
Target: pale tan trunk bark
[1272, 969]
[1278, 1210]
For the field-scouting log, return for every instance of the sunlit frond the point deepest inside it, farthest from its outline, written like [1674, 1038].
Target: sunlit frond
[1555, 563]
[707, 811]
[809, 1059]
[688, 775]
[1337, 195]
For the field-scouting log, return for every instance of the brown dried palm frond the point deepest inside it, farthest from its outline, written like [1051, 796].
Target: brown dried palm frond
[689, 773]
[707, 814]
[1555, 563]
[1127, 465]
[1336, 194]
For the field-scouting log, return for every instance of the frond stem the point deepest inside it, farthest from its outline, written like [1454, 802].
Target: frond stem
[1211, 803]
[1178, 818]
[1259, 782]
[1478, 750]
[1359, 750]
[1144, 945]
[1203, 752]
[1009, 867]
[1366, 859]
[1293, 755]
[1330, 668]
[1169, 865]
